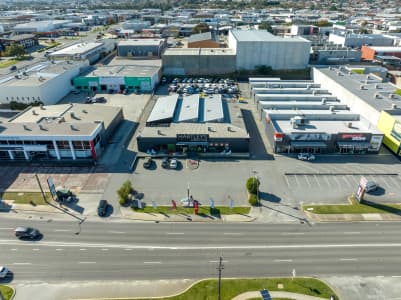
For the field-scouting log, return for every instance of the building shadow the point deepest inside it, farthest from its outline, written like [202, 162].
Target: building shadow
[384, 207]
[269, 197]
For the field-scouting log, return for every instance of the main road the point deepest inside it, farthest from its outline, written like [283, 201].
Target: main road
[117, 250]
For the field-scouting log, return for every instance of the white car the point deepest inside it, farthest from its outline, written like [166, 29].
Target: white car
[173, 163]
[306, 156]
[3, 272]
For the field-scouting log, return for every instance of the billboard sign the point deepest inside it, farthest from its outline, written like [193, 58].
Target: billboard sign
[361, 188]
[52, 188]
[353, 136]
[375, 142]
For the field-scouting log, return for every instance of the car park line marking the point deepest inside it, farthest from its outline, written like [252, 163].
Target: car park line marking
[22, 263]
[87, 262]
[352, 232]
[327, 181]
[296, 179]
[105, 249]
[283, 260]
[82, 249]
[6, 228]
[292, 233]
[175, 233]
[348, 259]
[396, 276]
[317, 180]
[336, 179]
[152, 262]
[217, 261]
[61, 230]
[307, 180]
[286, 180]
[345, 178]
[58, 249]
[379, 276]
[232, 233]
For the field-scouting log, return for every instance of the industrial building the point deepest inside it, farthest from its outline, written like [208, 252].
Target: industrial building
[371, 53]
[202, 40]
[82, 51]
[198, 61]
[119, 78]
[260, 48]
[149, 48]
[346, 39]
[372, 96]
[73, 132]
[47, 82]
[304, 117]
[192, 124]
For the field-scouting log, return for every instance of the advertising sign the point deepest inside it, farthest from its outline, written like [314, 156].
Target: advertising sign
[192, 137]
[174, 204]
[51, 186]
[361, 188]
[309, 136]
[375, 142]
[353, 136]
[196, 207]
[111, 80]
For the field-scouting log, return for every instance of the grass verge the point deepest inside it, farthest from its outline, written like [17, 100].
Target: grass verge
[398, 92]
[7, 63]
[217, 211]
[366, 207]
[208, 289]
[25, 197]
[6, 292]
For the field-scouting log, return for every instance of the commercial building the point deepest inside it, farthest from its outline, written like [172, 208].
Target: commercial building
[24, 40]
[198, 61]
[302, 117]
[82, 51]
[371, 53]
[118, 78]
[141, 48]
[192, 124]
[47, 82]
[257, 47]
[202, 40]
[352, 40]
[73, 132]
[374, 98]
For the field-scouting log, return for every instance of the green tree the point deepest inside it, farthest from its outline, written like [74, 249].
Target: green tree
[124, 191]
[14, 50]
[200, 28]
[253, 199]
[265, 26]
[252, 185]
[323, 23]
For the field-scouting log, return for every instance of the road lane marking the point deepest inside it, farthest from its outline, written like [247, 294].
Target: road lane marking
[58, 249]
[307, 180]
[352, 232]
[128, 249]
[105, 249]
[116, 232]
[175, 233]
[14, 249]
[6, 228]
[396, 276]
[35, 249]
[292, 233]
[283, 260]
[232, 233]
[152, 262]
[22, 263]
[348, 259]
[61, 230]
[87, 262]
[317, 180]
[217, 261]
[82, 249]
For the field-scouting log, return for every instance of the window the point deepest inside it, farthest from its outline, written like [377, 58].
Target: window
[63, 145]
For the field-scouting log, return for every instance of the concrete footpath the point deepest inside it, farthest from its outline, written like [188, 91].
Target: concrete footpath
[256, 294]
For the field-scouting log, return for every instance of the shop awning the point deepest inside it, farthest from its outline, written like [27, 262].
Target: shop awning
[306, 144]
[192, 144]
[354, 145]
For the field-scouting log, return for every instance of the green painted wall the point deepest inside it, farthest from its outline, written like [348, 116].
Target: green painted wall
[144, 83]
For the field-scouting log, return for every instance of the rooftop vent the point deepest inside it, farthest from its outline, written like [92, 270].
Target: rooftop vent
[377, 96]
[41, 127]
[394, 106]
[25, 73]
[61, 120]
[349, 124]
[34, 112]
[339, 73]
[41, 106]
[26, 127]
[211, 129]
[72, 114]
[332, 108]
[392, 96]
[324, 100]
[377, 86]
[361, 87]
[366, 81]
[72, 126]
[84, 111]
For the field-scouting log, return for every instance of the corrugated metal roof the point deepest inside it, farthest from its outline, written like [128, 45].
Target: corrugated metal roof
[163, 109]
[213, 110]
[189, 108]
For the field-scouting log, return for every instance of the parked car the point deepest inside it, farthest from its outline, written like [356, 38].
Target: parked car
[26, 232]
[165, 162]
[306, 156]
[371, 186]
[148, 162]
[102, 208]
[13, 68]
[173, 163]
[100, 100]
[3, 272]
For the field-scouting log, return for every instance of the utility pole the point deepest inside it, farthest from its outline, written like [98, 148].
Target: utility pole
[41, 189]
[220, 268]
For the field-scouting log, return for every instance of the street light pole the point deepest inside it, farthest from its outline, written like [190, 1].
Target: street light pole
[220, 268]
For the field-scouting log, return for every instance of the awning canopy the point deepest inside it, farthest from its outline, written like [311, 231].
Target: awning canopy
[354, 145]
[306, 144]
[192, 144]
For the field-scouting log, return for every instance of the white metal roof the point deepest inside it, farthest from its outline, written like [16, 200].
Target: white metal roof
[189, 108]
[213, 108]
[164, 108]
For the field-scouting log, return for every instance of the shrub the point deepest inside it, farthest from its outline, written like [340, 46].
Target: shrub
[253, 199]
[122, 201]
[252, 185]
[124, 192]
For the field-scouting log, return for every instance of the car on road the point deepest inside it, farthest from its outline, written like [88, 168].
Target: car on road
[3, 272]
[306, 156]
[371, 186]
[13, 68]
[26, 232]
[102, 208]
[173, 163]
[148, 162]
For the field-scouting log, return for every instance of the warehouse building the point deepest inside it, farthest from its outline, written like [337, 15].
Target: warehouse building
[202, 40]
[83, 51]
[260, 48]
[73, 132]
[302, 117]
[119, 78]
[47, 82]
[150, 48]
[371, 53]
[374, 98]
[192, 124]
[346, 39]
[198, 61]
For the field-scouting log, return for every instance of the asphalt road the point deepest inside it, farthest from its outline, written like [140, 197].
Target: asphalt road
[105, 251]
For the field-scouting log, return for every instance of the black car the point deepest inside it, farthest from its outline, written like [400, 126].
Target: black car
[13, 68]
[102, 208]
[166, 163]
[26, 232]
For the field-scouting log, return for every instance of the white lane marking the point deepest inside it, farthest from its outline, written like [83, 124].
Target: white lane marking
[6, 228]
[22, 263]
[175, 233]
[283, 260]
[87, 262]
[348, 259]
[296, 179]
[14, 249]
[327, 181]
[152, 262]
[292, 233]
[352, 232]
[82, 249]
[396, 276]
[380, 276]
[105, 249]
[61, 230]
[35, 249]
[128, 249]
[307, 180]
[286, 181]
[116, 232]
[232, 233]
[317, 180]
[217, 261]
[58, 249]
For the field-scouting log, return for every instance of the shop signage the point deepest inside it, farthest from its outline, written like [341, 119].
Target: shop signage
[111, 80]
[278, 137]
[192, 137]
[375, 142]
[309, 137]
[353, 136]
[396, 132]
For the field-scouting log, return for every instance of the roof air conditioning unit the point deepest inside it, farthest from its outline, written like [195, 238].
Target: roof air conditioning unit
[349, 124]
[394, 106]
[84, 111]
[377, 96]
[361, 87]
[34, 112]
[324, 100]
[339, 73]
[73, 127]
[26, 127]
[377, 86]
[72, 114]
[392, 96]
[366, 81]
[159, 132]
[41, 127]
[41, 106]
[332, 108]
